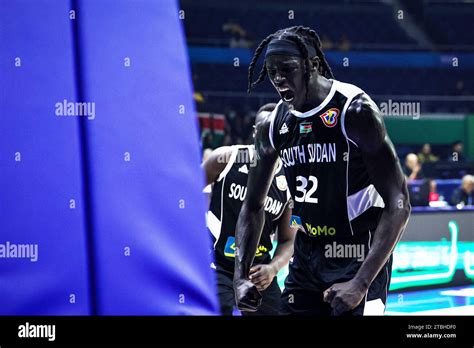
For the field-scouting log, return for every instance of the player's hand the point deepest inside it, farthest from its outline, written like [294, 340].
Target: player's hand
[247, 297]
[262, 276]
[345, 296]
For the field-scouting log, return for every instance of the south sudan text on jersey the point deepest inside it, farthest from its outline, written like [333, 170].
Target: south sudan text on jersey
[308, 153]
[273, 206]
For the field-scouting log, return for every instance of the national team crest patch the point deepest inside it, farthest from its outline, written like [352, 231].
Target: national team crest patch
[330, 117]
[281, 182]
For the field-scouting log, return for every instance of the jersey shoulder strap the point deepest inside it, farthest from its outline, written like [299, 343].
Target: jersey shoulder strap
[237, 155]
[349, 91]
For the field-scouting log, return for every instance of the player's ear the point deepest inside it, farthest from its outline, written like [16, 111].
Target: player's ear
[315, 64]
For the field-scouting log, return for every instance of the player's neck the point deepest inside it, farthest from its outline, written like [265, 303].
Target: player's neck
[319, 89]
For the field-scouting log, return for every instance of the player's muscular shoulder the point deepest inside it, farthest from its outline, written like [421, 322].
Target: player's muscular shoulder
[263, 145]
[216, 163]
[364, 123]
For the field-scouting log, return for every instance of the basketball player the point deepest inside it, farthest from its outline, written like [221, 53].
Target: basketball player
[227, 168]
[344, 176]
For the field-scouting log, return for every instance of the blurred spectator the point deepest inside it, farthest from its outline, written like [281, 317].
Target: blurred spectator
[457, 154]
[461, 88]
[345, 44]
[237, 33]
[239, 126]
[426, 156]
[247, 127]
[206, 139]
[434, 195]
[209, 140]
[238, 131]
[227, 140]
[412, 168]
[326, 43]
[464, 195]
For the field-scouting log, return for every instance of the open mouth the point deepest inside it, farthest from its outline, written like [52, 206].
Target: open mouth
[286, 94]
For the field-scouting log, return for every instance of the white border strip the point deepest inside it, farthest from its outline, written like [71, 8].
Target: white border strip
[361, 201]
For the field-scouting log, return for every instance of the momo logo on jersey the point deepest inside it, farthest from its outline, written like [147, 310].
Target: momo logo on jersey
[272, 206]
[329, 118]
[320, 230]
[229, 249]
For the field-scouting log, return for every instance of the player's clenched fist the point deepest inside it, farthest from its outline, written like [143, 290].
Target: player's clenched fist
[247, 297]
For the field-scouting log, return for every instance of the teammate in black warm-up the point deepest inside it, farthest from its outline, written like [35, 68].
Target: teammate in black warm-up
[227, 168]
[344, 176]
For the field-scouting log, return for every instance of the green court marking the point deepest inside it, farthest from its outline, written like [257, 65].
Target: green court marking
[468, 263]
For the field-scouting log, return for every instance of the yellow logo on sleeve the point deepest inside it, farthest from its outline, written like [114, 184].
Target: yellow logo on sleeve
[229, 249]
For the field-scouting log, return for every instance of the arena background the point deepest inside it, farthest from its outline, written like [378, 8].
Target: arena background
[110, 195]
[416, 60]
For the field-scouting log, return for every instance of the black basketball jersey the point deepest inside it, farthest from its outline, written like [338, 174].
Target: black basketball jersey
[332, 193]
[228, 194]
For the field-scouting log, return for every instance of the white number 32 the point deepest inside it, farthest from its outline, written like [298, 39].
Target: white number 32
[306, 195]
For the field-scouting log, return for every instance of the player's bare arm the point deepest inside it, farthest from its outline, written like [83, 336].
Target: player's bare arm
[365, 127]
[262, 275]
[251, 218]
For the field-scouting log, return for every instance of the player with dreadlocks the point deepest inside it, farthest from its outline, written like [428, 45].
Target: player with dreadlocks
[350, 196]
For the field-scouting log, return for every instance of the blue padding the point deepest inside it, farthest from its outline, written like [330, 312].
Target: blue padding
[35, 193]
[146, 220]
[149, 212]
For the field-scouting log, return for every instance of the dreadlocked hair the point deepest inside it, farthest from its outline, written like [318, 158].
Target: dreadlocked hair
[301, 36]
